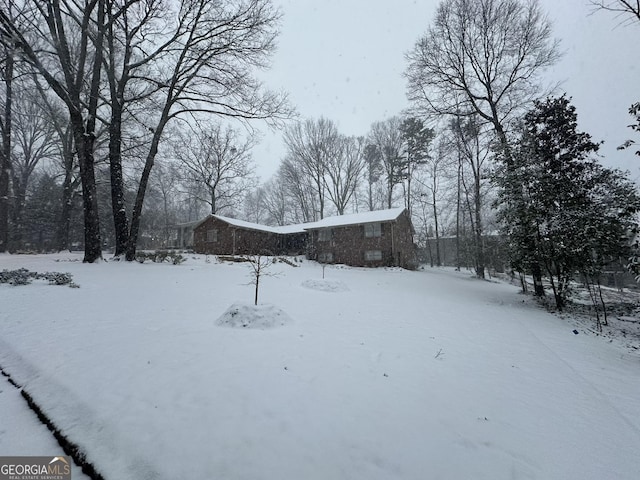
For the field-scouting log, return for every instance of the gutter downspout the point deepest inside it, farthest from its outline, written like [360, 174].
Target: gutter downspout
[393, 244]
[234, 242]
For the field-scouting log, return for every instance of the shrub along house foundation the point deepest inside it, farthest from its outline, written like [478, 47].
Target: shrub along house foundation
[378, 238]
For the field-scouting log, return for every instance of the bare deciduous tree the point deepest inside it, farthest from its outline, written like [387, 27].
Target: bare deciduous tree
[70, 61]
[343, 171]
[254, 206]
[483, 57]
[301, 190]
[473, 152]
[313, 144]
[5, 148]
[431, 182]
[35, 139]
[10, 10]
[53, 109]
[132, 47]
[166, 183]
[624, 8]
[219, 160]
[209, 60]
[276, 201]
[387, 137]
[162, 60]
[260, 264]
[621, 7]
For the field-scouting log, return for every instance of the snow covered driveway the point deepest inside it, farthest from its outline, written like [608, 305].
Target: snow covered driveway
[396, 374]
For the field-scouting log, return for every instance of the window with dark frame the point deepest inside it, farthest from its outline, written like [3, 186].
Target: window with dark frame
[325, 257]
[373, 255]
[212, 235]
[372, 230]
[324, 235]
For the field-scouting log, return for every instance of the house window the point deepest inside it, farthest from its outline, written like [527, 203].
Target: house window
[212, 235]
[324, 235]
[325, 257]
[373, 255]
[373, 230]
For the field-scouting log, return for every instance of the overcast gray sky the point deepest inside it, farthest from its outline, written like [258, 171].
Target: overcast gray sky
[344, 59]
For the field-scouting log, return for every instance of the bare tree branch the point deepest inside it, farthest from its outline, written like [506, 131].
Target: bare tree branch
[481, 56]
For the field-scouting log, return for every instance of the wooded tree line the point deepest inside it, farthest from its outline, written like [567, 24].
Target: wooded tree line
[486, 148]
[441, 175]
[485, 59]
[115, 108]
[116, 75]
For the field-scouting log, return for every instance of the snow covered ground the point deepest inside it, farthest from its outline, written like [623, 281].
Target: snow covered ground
[372, 374]
[22, 434]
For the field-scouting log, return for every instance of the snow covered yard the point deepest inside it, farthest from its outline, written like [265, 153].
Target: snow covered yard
[376, 374]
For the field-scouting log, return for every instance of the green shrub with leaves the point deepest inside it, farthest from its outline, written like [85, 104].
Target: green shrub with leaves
[561, 210]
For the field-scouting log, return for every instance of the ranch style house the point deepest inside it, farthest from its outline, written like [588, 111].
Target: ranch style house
[378, 238]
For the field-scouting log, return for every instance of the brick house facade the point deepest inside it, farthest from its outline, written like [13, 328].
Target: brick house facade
[379, 238]
[218, 235]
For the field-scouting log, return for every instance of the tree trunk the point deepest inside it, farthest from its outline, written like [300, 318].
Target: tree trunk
[436, 228]
[213, 202]
[134, 231]
[64, 223]
[321, 202]
[536, 273]
[5, 153]
[118, 207]
[117, 93]
[430, 252]
[257, 273]
[4, 203]
[478, 230]
[557, 294]
[20, 197]
[408, 194]
[84, 145]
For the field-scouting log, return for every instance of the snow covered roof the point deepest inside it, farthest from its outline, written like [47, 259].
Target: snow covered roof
[243, 224]
[357, 218]
[192, 223]
[286, 229]
[297, 228]
[337, 221]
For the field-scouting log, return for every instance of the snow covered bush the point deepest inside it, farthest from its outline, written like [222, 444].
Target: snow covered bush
[260, 317]
[22, 276]
[287, 261]
[15, 277]
[160, 256]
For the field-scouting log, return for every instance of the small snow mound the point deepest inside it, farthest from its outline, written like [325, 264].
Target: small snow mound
[325, 285]
[260, 317]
